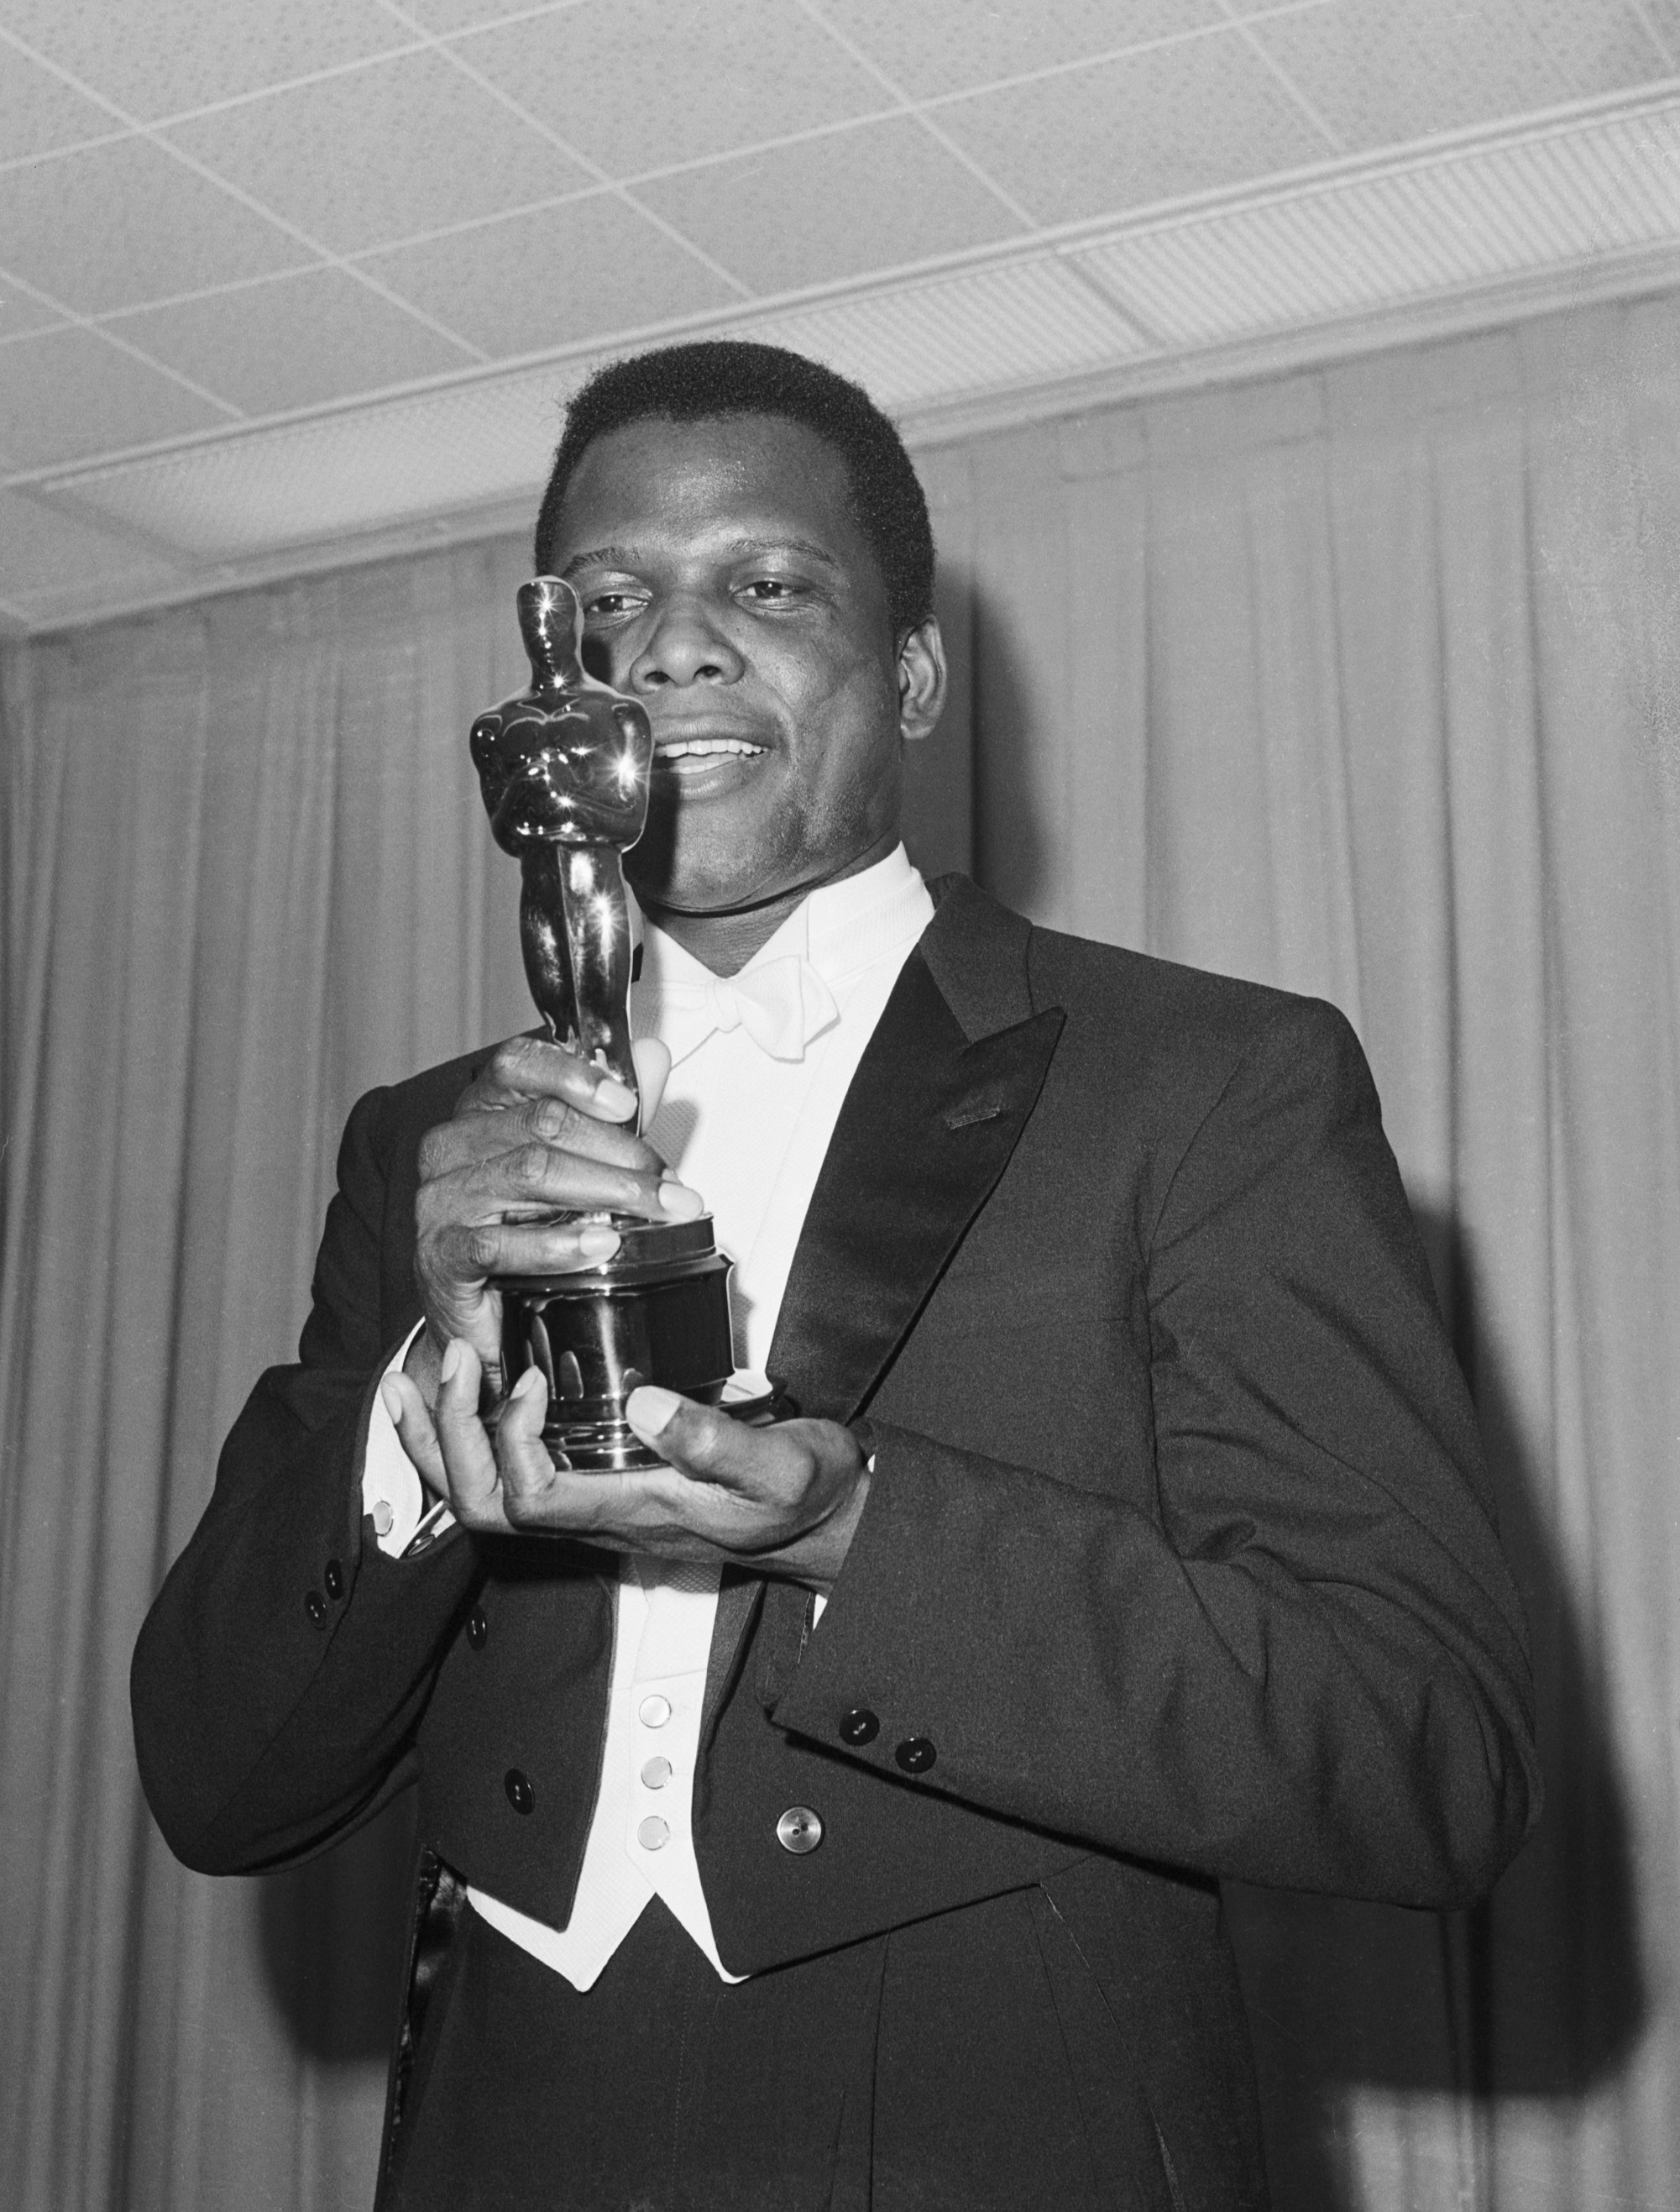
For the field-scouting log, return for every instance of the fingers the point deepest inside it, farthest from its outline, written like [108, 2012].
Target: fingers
[405, 1402]
[477, 1133]
[469, 1469]
[524, 1067]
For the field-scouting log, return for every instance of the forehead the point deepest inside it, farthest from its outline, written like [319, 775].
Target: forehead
[660, 485]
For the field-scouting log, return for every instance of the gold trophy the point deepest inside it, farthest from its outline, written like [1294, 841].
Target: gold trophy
[564, 769]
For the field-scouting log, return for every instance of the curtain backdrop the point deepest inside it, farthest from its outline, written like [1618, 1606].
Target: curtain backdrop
[1364, 682]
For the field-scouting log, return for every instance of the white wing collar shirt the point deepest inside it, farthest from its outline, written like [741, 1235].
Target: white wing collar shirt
[762, 1063]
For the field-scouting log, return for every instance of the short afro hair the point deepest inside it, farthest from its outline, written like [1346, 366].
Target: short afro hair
[733, 376]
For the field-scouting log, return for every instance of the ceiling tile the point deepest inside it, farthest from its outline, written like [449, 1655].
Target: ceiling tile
[70, 392]
[44, 553]
[445, 15]
[39, 111]
[116, 225]
[533, 282]
[19, 312]
[1598, 46]
[880, 195]
[294, 343]
[947, 45]
[1663, 17]
[668, 84]
[1153, 126]
[316, 481]
[156, 60]
[1028, 323]
[1383, 75]
[387, 152]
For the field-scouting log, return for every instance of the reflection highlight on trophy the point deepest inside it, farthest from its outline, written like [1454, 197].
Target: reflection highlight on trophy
[564, 770]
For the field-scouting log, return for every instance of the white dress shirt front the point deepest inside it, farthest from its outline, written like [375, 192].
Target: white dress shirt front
[746, 1119]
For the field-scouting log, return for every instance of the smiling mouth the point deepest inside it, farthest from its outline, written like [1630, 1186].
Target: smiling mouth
[687, 755]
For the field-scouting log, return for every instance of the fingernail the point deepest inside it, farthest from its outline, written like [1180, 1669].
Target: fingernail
[680, 1202]
[527, 1382]
[393, 1399]
[615, 1096]
[650, 1408]
[452, 1360]
[597, 1243]
[550, 1118]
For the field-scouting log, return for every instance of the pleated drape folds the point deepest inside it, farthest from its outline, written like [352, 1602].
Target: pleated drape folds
[1365, 682]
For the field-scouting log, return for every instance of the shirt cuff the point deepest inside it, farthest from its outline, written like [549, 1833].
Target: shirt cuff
[393, 1494]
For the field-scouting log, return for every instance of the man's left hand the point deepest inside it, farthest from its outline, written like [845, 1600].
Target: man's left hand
[782, 1500]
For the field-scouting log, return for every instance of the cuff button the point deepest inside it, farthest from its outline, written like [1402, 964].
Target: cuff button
[799, 1830]
[916, 1754]
[385, 1519]
[334, 1579]
[316, 1607]
[859, 1726]
[520, 1795]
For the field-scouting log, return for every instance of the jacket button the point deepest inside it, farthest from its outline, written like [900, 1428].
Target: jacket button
[799, 1830]
[520, 1795]
[316, 1607]
[477, 1629]
[859, 1726]
[916, 1754]
[334, 1579]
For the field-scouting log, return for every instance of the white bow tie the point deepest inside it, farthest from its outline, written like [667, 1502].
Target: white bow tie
[781, 1006]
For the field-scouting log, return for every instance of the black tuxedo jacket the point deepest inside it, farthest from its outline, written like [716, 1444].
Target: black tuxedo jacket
[1179, 1554]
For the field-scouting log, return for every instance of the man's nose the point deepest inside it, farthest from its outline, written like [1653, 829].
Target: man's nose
[686, 645]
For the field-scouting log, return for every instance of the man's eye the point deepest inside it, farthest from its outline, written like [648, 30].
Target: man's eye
[605, 605]
[770, 589]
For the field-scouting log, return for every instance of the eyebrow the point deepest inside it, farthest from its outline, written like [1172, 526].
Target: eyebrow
[622, 556]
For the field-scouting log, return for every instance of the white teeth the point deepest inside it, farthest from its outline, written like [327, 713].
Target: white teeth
[685, 747]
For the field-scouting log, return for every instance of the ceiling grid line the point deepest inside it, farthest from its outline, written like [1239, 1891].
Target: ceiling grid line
[1653, 31]
[988, 218]
[905, 106]
[1243, 28]
[611, 186]
[71, 319]
[323, 254]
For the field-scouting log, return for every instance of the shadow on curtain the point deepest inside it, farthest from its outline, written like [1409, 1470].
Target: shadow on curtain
[1363, 682]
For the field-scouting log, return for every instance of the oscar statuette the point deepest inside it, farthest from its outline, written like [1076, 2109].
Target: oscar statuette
[564, 770]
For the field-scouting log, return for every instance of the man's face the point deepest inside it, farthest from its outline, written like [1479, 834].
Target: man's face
[725, 583]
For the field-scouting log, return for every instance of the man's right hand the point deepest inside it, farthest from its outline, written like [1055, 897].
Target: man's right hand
[540, 1132]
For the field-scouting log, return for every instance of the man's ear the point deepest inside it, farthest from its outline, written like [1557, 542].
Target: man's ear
[921, 679]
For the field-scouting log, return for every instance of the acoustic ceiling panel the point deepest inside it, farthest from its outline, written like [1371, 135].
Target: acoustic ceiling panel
[329, 263]
[293, 342]
[157, 58]
[877, 197]
[1420, 232]
[400, 147]
[619, 83]
[121, 224]
[461, 447]
[1156, 125]
[1028, 323]
[941, 46]
[61, 389]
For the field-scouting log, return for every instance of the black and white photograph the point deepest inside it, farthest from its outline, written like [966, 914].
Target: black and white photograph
[839, 1105]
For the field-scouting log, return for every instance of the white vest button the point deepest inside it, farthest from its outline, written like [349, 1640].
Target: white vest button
[653, 1834]
[654, 1711]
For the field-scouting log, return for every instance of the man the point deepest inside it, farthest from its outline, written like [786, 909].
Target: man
[834, 1815]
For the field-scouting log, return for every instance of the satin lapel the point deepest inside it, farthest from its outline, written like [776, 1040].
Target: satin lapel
[739, 1596]
[938, 1105]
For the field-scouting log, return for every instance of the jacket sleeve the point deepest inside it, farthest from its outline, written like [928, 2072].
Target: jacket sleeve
[1309, 1665]
[283, 1670]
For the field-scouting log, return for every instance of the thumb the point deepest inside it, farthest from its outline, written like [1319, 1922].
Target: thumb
[414, 1430]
